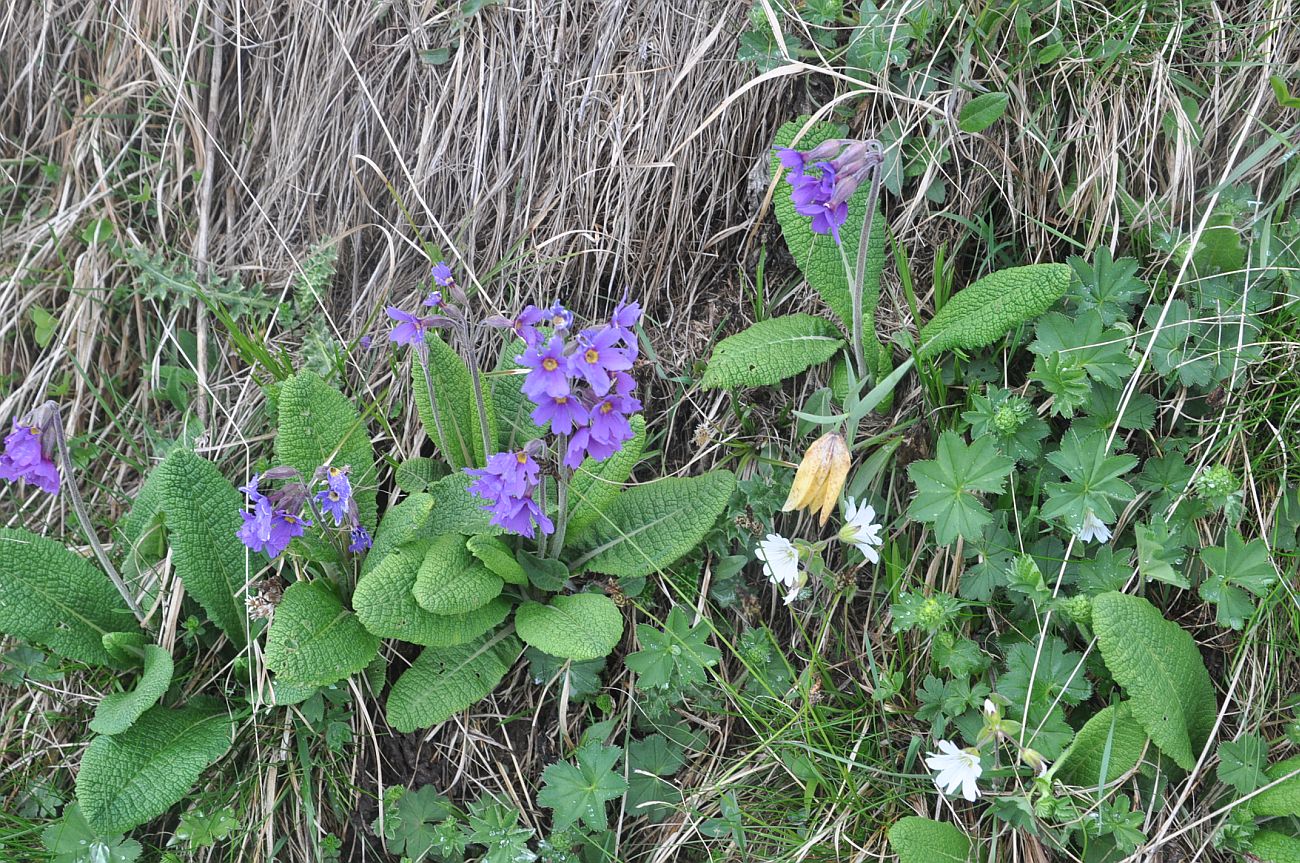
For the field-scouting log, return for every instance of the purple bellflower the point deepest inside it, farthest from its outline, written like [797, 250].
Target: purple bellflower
[597, 356]
[29, 455]
[547, 365]
[336, 498]
[841, 166]
[442, 275]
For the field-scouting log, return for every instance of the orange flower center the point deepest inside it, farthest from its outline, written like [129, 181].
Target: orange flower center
[606, 407]
[591, 356]
[550, 364]
[521, 457]
[562, 400]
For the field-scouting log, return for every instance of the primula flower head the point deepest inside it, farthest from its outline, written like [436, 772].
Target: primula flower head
[841, 167]
[565, 413]
[434, 300]
[626, 316]
[336, 498]
[548, 372]
[29, 453]
[410, 329]
[820, 477]
[507, 483]
[597, 357]
[360, 539]
[268, 528]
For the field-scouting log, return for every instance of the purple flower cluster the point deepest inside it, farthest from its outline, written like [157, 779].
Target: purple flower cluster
[271, 525]
[29, 455]
[336, 501]
[579, 385]
[509, 481]
[841, 166]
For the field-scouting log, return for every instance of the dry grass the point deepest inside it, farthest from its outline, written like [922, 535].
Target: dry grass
[559, 150]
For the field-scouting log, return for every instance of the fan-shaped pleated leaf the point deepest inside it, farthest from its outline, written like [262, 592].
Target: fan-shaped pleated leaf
[453, 581]
[1157, 663]
[994, 306]
[58, 599]
[581, 626]
[202, 513]
[457, 410]
[132, 777]
[648, 527]
[118, 710]
[314, 640]
[445, 680]
[771, 351]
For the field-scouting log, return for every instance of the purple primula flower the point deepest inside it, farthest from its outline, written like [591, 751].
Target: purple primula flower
[410, 328]
[548, 375]
[525, 324]
[597, 356]
[559, 317]
[624, 386]
[584, 444]
[434, 300]
[608, 424]
[267, 529]
[507, 484]
[360, 540]
[334, 501]
[28, 456]
[364, 342]
[442, 274]
[564, 413]
[792, 160]
[625, 317]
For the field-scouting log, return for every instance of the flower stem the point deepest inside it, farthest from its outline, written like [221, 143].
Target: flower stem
[562, 510]
[472, 348]
[83, 517]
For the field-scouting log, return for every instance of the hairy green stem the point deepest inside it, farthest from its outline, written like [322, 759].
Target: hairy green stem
[562, 513]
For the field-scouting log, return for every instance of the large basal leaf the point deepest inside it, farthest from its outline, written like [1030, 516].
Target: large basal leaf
[514, 410]
[1112, 737]
[994, 306]
[596, 483]
[581, 626]
[1283, 799]
[318, 426]
[820, 260]
[456, 509]
[141, 532]
[920, 840]
[457, 410]
[498, 557]
[52, 597]
[202, 513]
[386, 606]
[1272, 846]
[118, 710]
[314, 640]
[648, 527]
[771, 351]
[1157, 663]
[444, 681]
[453, 581]
[401, 524]
[132, 777]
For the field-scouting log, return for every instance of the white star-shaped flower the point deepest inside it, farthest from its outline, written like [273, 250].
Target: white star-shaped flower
[780, 560]
[1093, 529]
[955, 768]
[861, 531]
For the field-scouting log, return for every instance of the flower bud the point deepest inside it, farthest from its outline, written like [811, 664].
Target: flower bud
[820, 477]
[1033, 760]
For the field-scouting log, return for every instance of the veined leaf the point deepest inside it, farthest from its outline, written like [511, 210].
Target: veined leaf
[444, 681]
[202, 512]
[314, 640]
[1108, 745]
[118, 710]
[451, 581]
[401, 524]
[648, 527]
[771, 351]
[1282, 799]
[981, 112]
[595, 484]
[457, 410]
[456, 509]
[947, 484]
[386, 606]
[493, 553]
[1273, 846]
[1157, 663]
[580, 626]
[514, 410]
[920, 840]
[132, 777]
[994, 306]
[57, 599]
[318, 426]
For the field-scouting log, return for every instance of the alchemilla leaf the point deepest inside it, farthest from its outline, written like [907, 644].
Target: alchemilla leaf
[947, 485]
